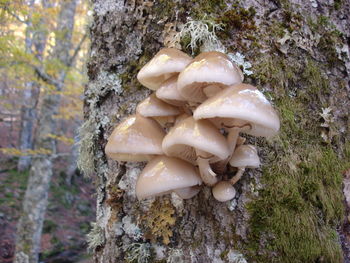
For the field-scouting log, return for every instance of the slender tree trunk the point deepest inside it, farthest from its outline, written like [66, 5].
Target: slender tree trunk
[28, 108]
[35, 199]
[300, 59]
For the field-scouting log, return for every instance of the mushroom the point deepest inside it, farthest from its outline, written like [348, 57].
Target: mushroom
[197, 142]
[169, 93]
[244, 156]
[223, 191]
[157, 109]
[167, 63]
[136, 139]
[206, 75]
[240, 108]
[163, 174]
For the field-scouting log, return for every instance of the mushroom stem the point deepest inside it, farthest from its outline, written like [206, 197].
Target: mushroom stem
[208, 176]
[232, 138]
[238, 175]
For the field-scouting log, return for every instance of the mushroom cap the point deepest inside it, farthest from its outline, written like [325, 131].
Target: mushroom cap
[169, 93]
[223, 191]
[163, 174]
[206, 69]
[189, 134]
[135, 140]
[241, 103]
[154, 107]
[245, 156]
[165, 64]
[188, 192]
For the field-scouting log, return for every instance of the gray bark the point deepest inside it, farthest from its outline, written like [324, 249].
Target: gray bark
[125, 34]
[35, 199]
[28, 109]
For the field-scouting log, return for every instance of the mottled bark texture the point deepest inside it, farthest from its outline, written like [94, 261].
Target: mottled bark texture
[289, 210]
[35, 200]
[28, 109]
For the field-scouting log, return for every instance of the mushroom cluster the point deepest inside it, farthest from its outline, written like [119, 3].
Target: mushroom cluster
[188, 129]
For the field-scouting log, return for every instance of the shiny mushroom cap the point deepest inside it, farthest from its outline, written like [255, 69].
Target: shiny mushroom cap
[189, 134]
[165, 64]
[154, 107]
[223, 191]
[135, 139]
[169, 93]
[207, 69]
[165, 174]
[239, 105]
[245, 156]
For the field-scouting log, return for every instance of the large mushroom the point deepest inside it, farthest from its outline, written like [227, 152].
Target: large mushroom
[169, 93]
[206, 75]
[240, 108]
[163, 175]
[197, 142]
[136, 139]
[167, 63]
[157, 109]
[244, 156]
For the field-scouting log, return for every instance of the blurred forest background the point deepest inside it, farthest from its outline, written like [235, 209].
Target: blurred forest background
[43, 48]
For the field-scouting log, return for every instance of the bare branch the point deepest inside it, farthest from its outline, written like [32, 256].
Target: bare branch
[46, 77]
[14, 15]
[76, 51]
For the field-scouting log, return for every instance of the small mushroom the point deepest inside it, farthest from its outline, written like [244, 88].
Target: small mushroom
[163, 174]
[136, 139]
[169, 93]
[206, 75]
[243, 157]
[197, 142]
[167, 63]
[157, 109]
[223, 191]
[240, 108]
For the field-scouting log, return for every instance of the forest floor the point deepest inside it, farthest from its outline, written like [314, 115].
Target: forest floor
[70, 210]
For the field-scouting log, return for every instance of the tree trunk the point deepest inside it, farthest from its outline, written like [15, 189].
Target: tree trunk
[35, 199]
[288, 211]
[28, 109]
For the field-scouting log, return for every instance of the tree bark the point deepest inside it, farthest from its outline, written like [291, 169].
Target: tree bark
[35, 200]
[282, 40]
[28, 110]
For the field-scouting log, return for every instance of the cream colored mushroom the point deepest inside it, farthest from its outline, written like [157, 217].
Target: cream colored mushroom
[197, 142]
[169, 93]
[240, 108]
[223, 191]
[157, 109]
[136, 139]
[163, 174]
[167, 63]
[244, 156]
[206, 75]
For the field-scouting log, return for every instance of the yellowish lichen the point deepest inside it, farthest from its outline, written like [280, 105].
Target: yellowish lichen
[159, 220]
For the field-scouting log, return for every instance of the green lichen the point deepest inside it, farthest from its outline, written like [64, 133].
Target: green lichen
[138, 253]
[96, 237]
[295, 217]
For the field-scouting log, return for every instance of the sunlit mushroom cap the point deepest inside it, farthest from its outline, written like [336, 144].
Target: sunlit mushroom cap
[165, 64]
[206, 69]
[223, 191]
[189, 134]
[154, 107]
[169, 93]
[165, 174]
[239, 104]
[135, 139]
[245, 156]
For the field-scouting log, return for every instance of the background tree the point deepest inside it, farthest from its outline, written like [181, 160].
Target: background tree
[289, 211]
